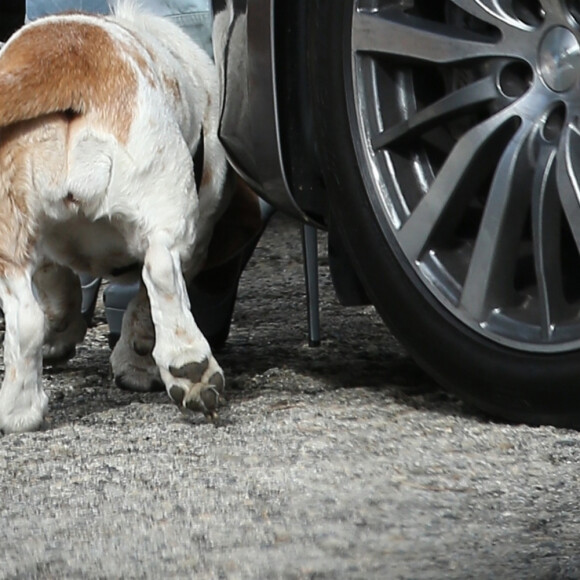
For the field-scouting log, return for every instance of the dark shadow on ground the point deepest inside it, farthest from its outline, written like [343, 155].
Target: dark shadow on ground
[268, 347]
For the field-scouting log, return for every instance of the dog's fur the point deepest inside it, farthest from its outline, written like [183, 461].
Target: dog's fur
[99, 120]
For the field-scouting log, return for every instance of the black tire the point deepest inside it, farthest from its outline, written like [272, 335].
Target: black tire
[534, 385]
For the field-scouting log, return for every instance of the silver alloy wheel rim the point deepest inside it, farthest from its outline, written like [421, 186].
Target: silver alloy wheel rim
[466, 116]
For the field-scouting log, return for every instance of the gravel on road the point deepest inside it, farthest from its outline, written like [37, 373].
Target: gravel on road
[342, 461]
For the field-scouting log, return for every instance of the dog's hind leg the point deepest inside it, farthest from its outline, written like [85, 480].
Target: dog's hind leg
[192, 377]
[23, 403]
[58, 290]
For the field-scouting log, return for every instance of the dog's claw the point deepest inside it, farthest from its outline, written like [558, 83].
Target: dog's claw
[200, 397]
[213, 418]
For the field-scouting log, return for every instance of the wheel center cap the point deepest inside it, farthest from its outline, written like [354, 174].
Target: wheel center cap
[560, 59]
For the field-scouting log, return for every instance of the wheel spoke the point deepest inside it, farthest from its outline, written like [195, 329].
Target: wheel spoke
[479, 142]
[491, 270]
[567, 179]
[554, 7]
[490, 11]
[546, 225]
[396, 34]
[456, 103]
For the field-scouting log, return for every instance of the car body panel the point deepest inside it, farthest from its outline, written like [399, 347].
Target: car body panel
[266, 123]
[249, 125]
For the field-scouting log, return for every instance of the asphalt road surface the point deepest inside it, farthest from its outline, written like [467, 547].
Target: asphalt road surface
[337, 462]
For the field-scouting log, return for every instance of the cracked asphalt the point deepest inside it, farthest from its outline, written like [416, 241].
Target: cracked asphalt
[343, 461]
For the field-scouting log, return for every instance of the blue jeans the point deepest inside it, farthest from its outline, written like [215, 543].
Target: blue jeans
[193, 16]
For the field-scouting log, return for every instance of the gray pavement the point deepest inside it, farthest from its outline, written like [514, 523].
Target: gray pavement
[337, 462]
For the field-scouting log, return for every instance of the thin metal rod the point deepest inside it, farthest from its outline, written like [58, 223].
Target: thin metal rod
[310, 250]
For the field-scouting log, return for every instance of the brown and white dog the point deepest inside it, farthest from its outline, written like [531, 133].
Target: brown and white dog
[100, 117]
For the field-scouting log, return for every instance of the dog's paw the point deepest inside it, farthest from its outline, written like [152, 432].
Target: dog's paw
[140, 380]
[60, 343]
[134, 371]
[198, 387]
[18, 419]
[57, 354]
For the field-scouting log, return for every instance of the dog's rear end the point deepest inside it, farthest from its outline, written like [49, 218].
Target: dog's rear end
[99, 118]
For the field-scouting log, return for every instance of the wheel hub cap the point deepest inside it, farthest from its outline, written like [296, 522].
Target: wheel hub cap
[560, 59]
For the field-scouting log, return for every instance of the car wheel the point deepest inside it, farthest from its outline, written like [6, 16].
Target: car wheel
[450, 138]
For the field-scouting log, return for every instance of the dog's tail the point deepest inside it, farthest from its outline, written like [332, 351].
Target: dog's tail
[67, 64]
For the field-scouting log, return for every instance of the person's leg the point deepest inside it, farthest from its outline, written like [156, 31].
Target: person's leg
[37, 8]
[193, 16]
